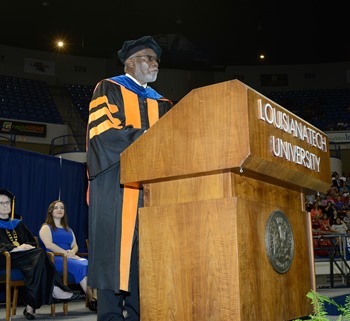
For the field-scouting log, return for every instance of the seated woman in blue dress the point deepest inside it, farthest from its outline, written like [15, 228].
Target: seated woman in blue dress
[57, 236]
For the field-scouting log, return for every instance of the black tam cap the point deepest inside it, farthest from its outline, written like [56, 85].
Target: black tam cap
[7, 193]
[132, 46]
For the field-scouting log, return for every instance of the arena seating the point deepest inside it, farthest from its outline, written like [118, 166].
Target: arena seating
[80, 96]
[27, 99]
[327, 109]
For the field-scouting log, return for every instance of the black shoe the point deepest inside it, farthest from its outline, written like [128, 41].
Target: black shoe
[92, 305]
[28, 315]
[74, 297]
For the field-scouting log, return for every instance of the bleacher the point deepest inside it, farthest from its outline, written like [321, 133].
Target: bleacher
[327, 109]
[80, 96]
[27, 99]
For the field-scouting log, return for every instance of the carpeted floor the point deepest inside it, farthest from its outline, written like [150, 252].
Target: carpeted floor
[76, 311]
[339, 295]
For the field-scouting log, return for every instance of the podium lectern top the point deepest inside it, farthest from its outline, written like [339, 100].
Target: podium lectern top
[230, 127]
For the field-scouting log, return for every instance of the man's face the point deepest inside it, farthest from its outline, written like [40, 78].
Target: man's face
[144, 66]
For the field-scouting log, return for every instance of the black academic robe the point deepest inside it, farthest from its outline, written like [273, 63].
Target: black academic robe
[117, 117]
[39, 272]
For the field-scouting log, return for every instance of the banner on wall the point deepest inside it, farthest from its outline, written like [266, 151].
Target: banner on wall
[22, 128]
[339, 137]
[38, 66]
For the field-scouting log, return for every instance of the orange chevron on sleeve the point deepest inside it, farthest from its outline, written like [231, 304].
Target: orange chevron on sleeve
[104, 126]
[98, 101]
[104, 111]
[103, 100]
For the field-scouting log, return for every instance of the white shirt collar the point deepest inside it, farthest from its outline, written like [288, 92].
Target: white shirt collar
[131, 77]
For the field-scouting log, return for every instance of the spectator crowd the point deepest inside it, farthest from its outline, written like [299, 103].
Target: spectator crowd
[330, 213]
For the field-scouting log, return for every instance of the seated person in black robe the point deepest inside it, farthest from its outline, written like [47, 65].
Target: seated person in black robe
[43, 284]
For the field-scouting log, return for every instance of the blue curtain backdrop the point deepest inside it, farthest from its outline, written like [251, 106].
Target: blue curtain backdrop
[36, 180]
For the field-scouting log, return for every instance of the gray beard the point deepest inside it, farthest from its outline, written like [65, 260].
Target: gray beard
[142, 78]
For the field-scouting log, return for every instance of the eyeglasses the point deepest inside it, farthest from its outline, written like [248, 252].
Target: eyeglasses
[149, 58]
[7, 203]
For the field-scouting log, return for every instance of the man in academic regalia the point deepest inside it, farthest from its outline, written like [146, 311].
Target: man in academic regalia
[121, 110]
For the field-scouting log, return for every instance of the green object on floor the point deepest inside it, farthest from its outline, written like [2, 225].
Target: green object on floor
[320, 312]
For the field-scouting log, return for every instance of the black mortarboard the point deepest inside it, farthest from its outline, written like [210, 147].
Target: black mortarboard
[7, 193]
[132, 46]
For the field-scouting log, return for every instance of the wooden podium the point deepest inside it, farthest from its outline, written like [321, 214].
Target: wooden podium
[215, 171]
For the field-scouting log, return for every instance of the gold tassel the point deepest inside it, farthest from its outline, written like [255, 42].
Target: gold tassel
[13, 208]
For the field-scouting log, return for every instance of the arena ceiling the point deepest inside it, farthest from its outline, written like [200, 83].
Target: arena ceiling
[193, 33]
